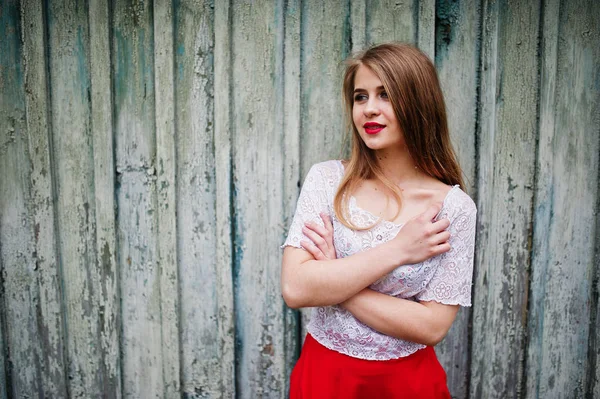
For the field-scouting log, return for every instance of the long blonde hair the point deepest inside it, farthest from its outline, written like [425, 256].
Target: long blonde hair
[411, 83]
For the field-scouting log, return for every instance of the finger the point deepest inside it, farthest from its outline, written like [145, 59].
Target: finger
[440, 225]
[320, 230]
[442, 248]
[327, 222]
[440, 238]
[313, 250]
[432, 211]
[317, 239]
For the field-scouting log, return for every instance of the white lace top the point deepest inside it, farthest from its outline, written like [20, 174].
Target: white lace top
[445, 278]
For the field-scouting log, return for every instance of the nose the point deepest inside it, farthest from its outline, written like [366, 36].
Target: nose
[371, 107]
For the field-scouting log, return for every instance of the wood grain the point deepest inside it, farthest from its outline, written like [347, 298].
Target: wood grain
[137, 203]
[563, 254]
[507, 146]
[224, 191]
[104, 189]
[257, 120]
[19, 275]
[152, 154]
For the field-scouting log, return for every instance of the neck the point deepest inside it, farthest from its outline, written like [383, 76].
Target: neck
[398, 165]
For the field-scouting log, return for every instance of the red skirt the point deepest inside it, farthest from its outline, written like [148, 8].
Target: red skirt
[325, 373]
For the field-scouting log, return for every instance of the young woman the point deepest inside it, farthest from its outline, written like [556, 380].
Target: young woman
[381, 246]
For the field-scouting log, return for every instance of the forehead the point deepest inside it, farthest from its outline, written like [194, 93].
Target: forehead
[366, 79]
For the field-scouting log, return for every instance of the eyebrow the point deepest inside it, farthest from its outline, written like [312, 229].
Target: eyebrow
[378, 88]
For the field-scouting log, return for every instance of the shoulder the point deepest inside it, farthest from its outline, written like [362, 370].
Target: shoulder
[328, 171]
[458, 204]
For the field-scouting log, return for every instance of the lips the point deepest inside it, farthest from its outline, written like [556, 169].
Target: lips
[373, 127]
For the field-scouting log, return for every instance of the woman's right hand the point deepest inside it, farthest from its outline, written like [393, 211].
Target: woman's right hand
[422, 238]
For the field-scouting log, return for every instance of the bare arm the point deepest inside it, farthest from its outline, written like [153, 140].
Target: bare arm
[308, 281]
[425, 323]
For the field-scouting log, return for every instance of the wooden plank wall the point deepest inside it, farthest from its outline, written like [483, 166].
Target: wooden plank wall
[152, 153]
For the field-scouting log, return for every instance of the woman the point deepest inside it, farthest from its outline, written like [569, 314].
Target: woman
[381, 246]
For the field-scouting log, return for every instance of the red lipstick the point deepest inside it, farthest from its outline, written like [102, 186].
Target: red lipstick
[373, 127]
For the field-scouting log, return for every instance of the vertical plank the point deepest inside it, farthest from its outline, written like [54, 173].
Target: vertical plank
[592, 369]
[18, 264]
[567, 191]
[457, 60]
[196, 198]
[358, 25]
[426, 27]
[223, 74]
[4, 381]
[507, 146]
[104, 189]
[49, 315]
[166, 192]
[72, 144]
[325, 43]
[388, 20]
[291, 154]
[257, 112]
[140, 278]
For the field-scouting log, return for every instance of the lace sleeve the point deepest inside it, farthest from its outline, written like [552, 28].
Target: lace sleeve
[451, 282]
[313, 200]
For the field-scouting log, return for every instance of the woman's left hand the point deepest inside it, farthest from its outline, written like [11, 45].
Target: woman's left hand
[321, 239]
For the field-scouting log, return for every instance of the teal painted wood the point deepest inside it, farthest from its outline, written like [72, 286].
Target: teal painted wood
[73, 154]
[223, 176]
[197, 201]
[104, 185]
[3, 380]
[166, 197]
[292, 121]
[507, 146]
[391, 20]
[566, 196]
[457, 62]
[257, 118]
[135, 156]
[133, 294]
[426, 27]
[19, 277]
[51, 311]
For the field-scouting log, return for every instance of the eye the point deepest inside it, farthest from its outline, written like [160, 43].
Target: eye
[360, 97]
[383, 95]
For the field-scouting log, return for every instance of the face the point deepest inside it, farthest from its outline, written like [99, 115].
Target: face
[373, 114]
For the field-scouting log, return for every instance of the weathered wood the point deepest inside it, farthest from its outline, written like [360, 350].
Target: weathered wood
[104, 186]
[358, 25]
[457, 60]
[506, 177]
[426, 26]
[200, 185]
[257, 120]
[73, 152]
[197, 201]
[223, 176]
[592, 369]
[291, 154]
[563, 255]
[388, 20]
[50, 314]
[140, 277]
[4, 381]
[16, 230]
[166, 192]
